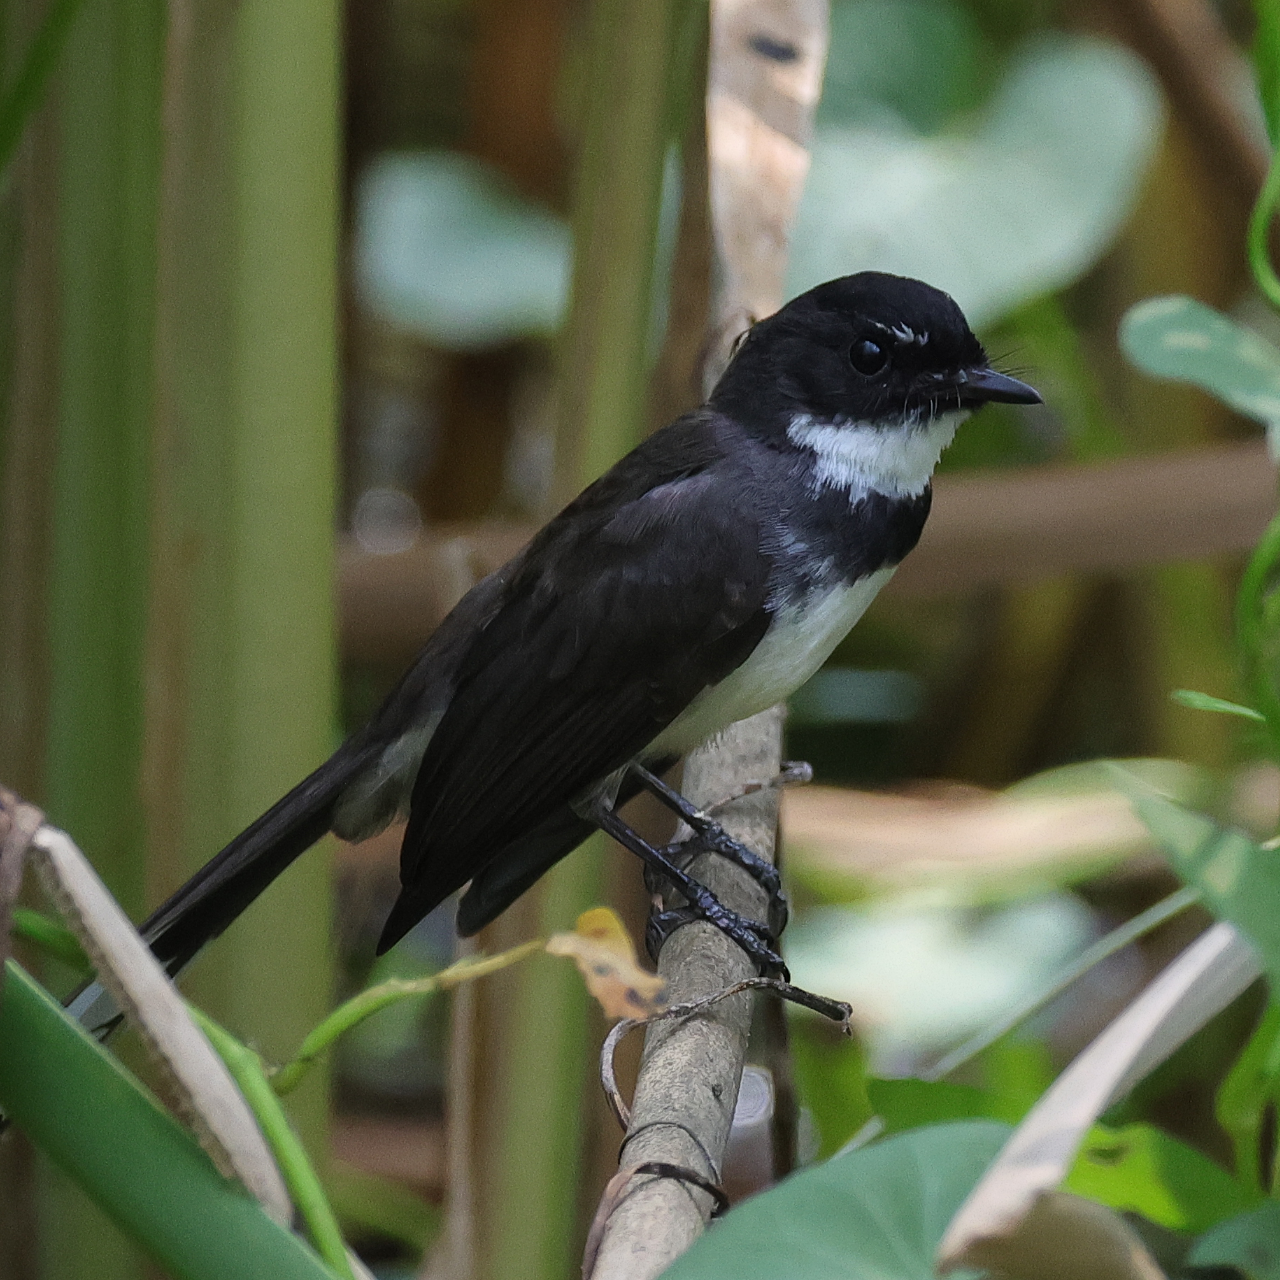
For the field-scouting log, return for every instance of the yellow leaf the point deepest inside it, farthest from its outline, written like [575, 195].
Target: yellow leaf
[602, 950]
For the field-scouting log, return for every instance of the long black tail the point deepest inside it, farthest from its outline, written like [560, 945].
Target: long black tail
[217, 894]
[212, 899]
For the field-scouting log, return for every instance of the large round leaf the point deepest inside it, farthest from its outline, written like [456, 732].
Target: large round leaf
[446, 249]
[918, 60]
[1018, 207]
[874, 1214]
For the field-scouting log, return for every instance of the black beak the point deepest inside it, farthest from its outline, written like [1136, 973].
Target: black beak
[982, 385]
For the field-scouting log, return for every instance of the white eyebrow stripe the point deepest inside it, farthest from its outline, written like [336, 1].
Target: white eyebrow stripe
[859, 457]
[904, 333]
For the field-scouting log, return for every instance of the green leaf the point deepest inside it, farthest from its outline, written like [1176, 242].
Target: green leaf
[831, 1075]
[1250, 1242]
[1239, 880]
[52, 937]
[94, 1120]
[1243, 1096]
[912, 1104]
[1141, 1169]
[1207, 702]
[1177, 337]
[874, 1214]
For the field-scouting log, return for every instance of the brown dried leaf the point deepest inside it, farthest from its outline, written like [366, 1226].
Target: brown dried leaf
[603, 952]
[196, 1077]
[19, 823]
[1065, 1237]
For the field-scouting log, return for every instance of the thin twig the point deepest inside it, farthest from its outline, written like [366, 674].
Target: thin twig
[374, 999]
[794, 773]
[837, 1010]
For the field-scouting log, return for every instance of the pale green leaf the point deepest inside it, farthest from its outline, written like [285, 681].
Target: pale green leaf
[1141, 1169]
[1006, 208]
[1207, 702]
[1250, 1242]
[1177, 337]
[874, 1214]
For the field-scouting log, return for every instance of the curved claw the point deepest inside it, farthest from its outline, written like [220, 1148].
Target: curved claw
[714, 839]
[752, 936]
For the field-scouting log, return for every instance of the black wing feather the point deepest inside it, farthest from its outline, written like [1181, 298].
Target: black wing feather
[647, 589]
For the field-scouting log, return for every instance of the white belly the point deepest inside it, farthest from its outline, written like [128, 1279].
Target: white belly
[798, 642]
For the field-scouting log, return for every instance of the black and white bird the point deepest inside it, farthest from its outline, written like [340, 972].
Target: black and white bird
[704, 578]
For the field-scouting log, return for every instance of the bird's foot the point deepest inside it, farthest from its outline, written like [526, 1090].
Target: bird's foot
[752, 936]
[710, 837]
[715, 839]
[667, 869]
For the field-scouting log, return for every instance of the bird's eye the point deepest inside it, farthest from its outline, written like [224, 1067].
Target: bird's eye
[867, 357]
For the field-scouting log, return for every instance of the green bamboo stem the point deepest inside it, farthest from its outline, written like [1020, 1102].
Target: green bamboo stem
[639, 71]
[1259, 580]
[1252, 631]
[108, 169]
[241, 638]
[250, 1075]
[638, 75]
[41, 60]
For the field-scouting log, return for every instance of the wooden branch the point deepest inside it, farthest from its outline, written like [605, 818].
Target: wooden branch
[688, 1083]
[986, 529]
[993, 529]
[764, 77]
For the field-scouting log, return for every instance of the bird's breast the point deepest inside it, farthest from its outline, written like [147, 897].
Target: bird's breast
[799, 640]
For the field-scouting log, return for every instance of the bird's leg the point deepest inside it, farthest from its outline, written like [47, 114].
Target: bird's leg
[751, 935]
[711, 836]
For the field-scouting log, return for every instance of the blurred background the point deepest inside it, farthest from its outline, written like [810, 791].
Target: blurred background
[284, 372]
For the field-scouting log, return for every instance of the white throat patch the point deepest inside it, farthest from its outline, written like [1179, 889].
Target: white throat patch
[858, 457]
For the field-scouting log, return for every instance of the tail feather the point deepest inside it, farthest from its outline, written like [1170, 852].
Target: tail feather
[203, 907]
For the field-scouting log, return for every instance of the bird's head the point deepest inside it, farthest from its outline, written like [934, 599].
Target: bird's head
[872, 349]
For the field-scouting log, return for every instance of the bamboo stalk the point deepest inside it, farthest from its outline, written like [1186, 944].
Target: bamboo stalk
[107, 166]
[516, 1126]
[240, 643]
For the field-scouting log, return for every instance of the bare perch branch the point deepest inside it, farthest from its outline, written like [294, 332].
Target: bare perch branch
[689, 1074]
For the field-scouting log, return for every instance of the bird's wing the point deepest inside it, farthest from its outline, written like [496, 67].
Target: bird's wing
[626, 607]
